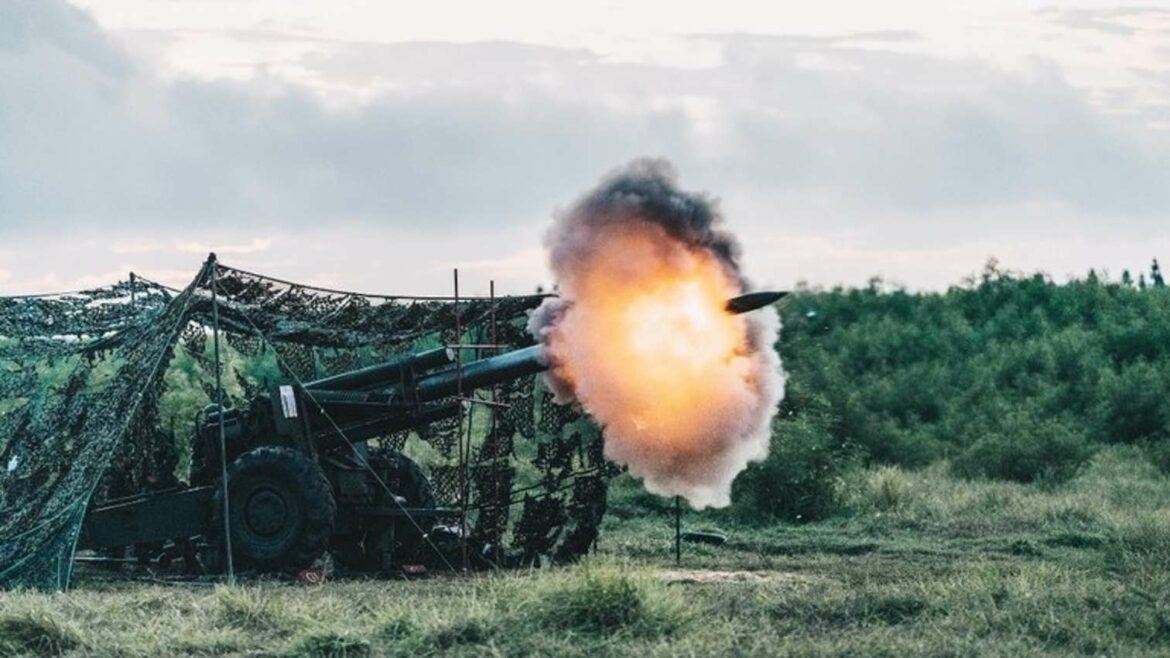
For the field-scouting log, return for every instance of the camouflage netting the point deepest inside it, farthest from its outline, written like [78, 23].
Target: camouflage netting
[86, 380]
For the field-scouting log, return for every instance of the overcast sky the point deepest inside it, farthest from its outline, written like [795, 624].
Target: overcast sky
[375, 145]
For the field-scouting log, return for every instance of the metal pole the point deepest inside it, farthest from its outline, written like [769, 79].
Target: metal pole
[677, 531]
[133, 305]
[227, 524]
[499, 509]
[459, 428]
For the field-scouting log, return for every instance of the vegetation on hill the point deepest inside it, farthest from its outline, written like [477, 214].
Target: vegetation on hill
[1008, 376]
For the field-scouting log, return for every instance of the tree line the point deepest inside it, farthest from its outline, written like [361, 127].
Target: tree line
[1007, 376]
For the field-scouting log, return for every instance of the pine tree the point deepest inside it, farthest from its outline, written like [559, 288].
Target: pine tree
[1126, 279]
[1156, 275]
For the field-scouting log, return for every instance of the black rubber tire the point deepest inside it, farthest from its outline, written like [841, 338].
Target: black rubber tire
[281, 509]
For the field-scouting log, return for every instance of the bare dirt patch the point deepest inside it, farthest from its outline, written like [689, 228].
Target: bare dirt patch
[710, 576]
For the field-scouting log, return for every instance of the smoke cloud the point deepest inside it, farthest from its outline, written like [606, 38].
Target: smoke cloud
[684, 391]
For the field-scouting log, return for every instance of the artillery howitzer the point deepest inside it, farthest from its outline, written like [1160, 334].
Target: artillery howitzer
[300, 479]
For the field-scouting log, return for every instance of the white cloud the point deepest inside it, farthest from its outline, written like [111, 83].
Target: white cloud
[138, 246]
[256, 245]
[527, 264]
[148, 246]
[439, 152]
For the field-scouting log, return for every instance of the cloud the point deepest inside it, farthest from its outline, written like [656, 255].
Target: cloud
[1115, 21]
[524, 264]
[110, 145]
[143, 246]
[138, 246]
[975, 139]
[839, 134]
[256, 245]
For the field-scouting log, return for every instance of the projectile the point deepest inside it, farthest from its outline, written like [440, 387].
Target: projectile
[752, 301]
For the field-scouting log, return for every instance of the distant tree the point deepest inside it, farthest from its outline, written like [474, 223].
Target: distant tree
[1093, 276]
[1156, 275]
[1142, 281]
[991, 270]
[1126, 279]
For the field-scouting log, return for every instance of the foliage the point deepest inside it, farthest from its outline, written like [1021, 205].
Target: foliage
[1027, 449]
[973, 372]
[800, 480]
[883, 489]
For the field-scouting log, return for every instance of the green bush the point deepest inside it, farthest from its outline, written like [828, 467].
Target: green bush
[801, 479]
[1025, 448]
[885, 490]
[1134, 404]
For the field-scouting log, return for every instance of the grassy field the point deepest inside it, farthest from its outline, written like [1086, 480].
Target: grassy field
[920, 564]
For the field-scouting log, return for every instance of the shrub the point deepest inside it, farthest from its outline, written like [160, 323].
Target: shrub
[1027, 449]
[886, 489]
[801, 479]
[1134, 406]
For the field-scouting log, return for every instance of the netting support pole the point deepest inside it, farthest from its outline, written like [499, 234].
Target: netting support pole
[227, 524]
[494, 411]
[459, 429]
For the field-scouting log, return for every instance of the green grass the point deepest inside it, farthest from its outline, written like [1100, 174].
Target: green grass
[921, 564]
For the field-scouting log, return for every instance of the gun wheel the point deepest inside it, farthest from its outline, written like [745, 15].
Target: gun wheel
[281, 510]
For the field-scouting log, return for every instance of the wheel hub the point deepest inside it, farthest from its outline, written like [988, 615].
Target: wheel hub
[266, 512]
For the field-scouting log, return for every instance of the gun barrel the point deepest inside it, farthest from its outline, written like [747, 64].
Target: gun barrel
[482, 373]
[387, 373]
